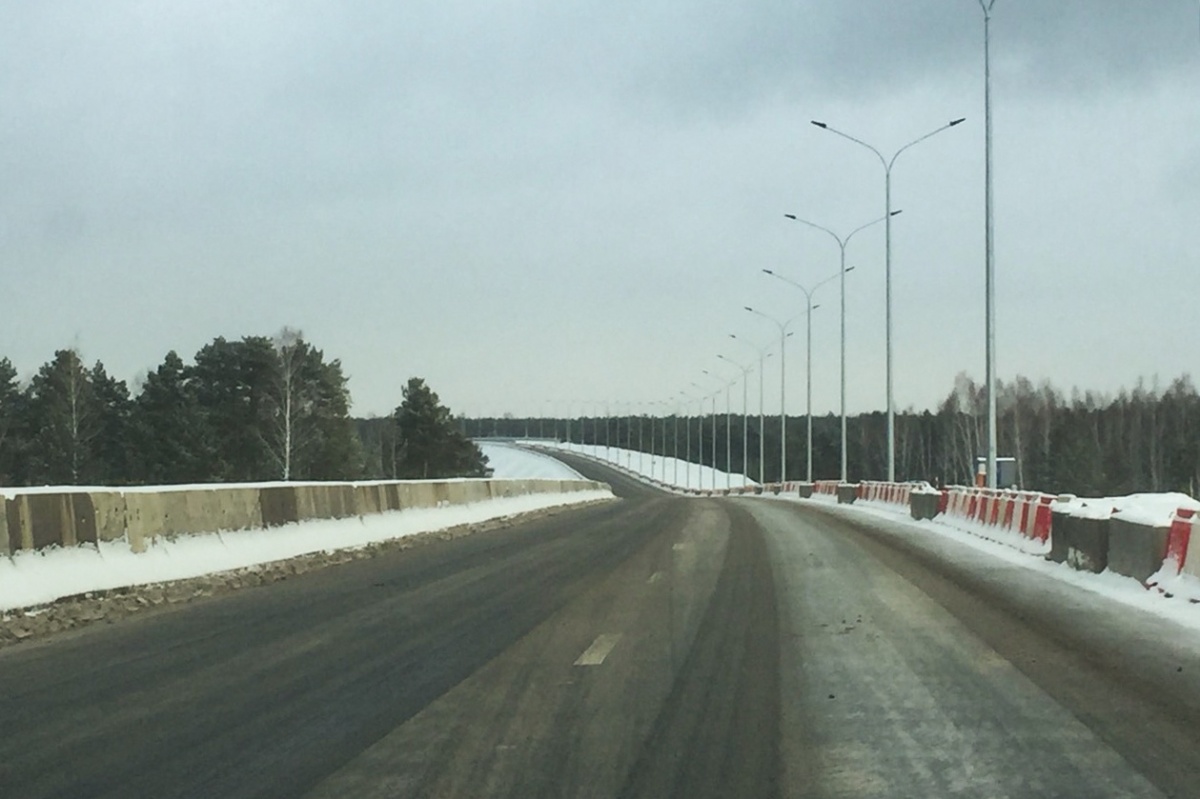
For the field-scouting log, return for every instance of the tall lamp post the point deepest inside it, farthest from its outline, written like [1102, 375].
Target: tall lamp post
[745, 417]
[808, 295]
[888, 163]
[728, 413]
[989, 243]
[700, 437]
[842, 242]
[687, 432]
[762, 428]
[783, 334]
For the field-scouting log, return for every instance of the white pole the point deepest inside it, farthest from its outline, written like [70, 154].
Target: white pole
[887, 268]
[843, 347]
[762, 414]
[782, 405]
[989, 246]
[808, 380]
[728, 448]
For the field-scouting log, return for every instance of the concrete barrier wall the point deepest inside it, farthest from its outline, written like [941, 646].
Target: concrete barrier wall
[1136, 550]
[71, 518]
[1080, 542]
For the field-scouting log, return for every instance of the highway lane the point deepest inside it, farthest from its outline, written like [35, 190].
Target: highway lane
[655, 647]
[917, 666]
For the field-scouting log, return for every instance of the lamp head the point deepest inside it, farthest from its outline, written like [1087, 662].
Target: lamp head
[819, 124]
[958, 121]
[790, 216]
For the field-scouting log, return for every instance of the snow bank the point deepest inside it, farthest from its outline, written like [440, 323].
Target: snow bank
[1150, 510]
[31, 578]
[674, 472]
[510, 462]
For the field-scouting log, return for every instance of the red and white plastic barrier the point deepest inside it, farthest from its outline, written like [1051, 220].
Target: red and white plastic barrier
[1179, 539]
[894, 493]
[827, 487]
[1024, 512]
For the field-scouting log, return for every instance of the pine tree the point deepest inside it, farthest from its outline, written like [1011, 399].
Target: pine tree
[63, 421]
[429, 441]
[111, 449]
[172, 434]
[232, 381]
[11, 411]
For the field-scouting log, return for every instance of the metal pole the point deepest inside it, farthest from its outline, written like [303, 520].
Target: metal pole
[713, 480]
[762, 415]
[808, 380]
[990, 264]
[843, 347]
[891, 419]
[782, 405]
[687, 429]
[728, 448]
[675, 444]
[745, 425]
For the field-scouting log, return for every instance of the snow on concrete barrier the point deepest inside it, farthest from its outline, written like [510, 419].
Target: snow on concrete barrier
[37, 519]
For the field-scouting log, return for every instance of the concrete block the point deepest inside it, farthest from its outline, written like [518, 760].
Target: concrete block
[805, 490]
[46, 520]
[109, 510]
[280, 505]
[1082, 543]
[847, 493]
[5, 546]
[370, 499]
[924, 505]
[1136, 550]
[241, 509]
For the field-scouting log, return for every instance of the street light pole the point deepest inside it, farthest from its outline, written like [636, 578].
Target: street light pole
[989, 244]
[783, 334]
[808, 295]
[745, 396]
[887, 194]
[842, 242]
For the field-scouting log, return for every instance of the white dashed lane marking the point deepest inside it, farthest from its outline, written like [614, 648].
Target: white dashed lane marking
[595, 654]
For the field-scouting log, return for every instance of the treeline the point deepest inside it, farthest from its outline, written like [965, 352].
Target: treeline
[255, 409]
[1144, 439]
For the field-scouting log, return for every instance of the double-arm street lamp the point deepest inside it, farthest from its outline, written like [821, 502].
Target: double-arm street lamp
[808, 295]
[728, 413]
[888, 163]
[763, 354]
[842, 242]
[783, 335]
[745, 369]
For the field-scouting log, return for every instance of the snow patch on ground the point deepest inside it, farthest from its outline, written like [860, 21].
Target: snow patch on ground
[1018, 550]
[30, 578]
[671, 471]
[511, 462]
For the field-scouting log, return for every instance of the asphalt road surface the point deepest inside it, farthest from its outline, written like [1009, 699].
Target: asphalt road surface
[657, 646]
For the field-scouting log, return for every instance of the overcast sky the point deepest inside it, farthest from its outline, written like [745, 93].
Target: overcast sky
[534, 204]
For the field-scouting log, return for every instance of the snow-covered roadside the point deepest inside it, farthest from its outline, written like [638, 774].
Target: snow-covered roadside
[1016, 549]
[38, 577]
[674, 472]
[510, 462]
